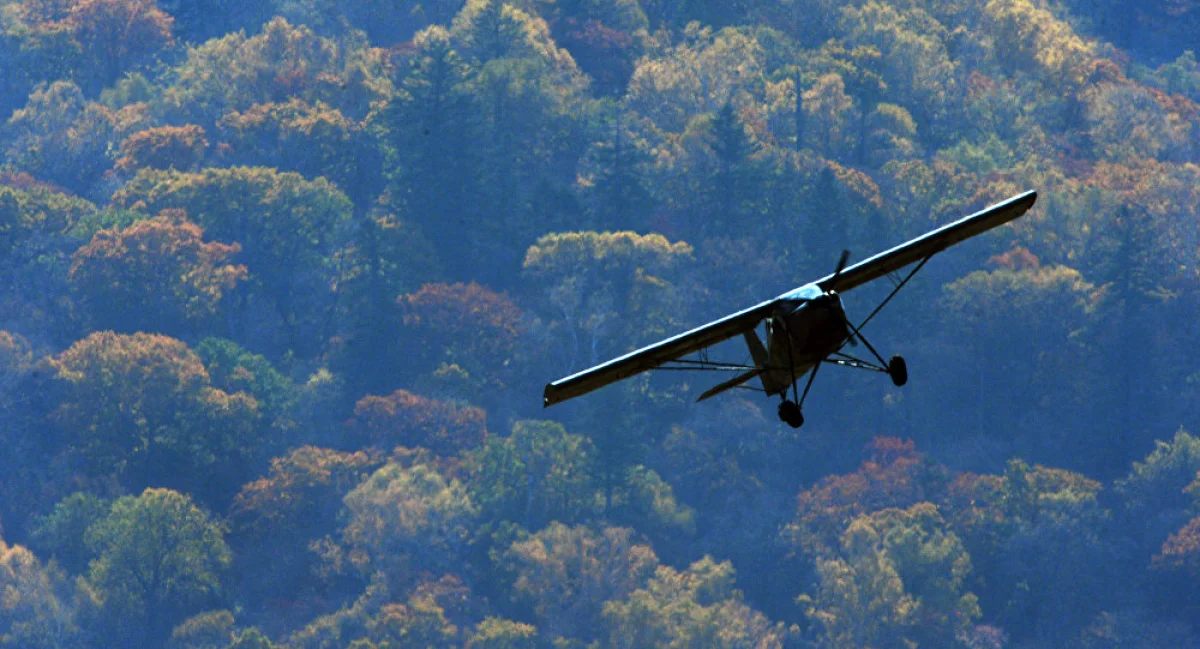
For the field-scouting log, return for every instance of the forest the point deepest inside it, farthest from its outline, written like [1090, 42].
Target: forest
[281, 283]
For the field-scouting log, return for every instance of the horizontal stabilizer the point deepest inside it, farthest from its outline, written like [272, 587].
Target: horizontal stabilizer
[730, 384]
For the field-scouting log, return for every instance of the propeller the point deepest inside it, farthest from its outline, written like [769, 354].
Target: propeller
[841, 265]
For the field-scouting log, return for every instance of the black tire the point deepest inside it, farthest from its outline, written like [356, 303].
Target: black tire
[790, 414]
[898, 370]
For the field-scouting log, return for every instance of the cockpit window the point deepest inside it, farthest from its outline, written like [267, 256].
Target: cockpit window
[806, 292]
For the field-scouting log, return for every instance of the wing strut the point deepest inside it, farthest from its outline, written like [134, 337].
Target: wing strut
[889, 297]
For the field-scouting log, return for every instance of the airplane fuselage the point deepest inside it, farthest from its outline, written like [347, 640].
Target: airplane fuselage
[807, 326]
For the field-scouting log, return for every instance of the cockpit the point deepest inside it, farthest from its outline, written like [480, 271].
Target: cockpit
[803, 294]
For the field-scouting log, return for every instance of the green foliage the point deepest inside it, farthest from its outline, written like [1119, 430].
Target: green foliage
[208, 630]
[234, 369]
[499, 633]
[538, 474]
[61, 534]
[236, 72]
[62, 138]
[310, 139]
[594, 278]
[156, 553]
[406, 217]
[1155, 490]
[41, 609]
[1058, 302]
[251, 638]
[1034, 531]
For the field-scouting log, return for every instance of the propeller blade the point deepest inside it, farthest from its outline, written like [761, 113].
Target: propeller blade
[842, 263]
[850, 337]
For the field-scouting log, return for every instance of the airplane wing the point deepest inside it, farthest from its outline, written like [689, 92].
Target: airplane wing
[652, 356]
[928, 244]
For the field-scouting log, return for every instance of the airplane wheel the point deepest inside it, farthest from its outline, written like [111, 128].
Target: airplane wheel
[898, 370]
[790, 413]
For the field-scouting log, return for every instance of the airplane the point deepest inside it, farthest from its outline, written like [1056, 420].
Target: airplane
[804, 327]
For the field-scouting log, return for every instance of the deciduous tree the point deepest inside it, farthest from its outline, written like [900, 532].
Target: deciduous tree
[118, 35]
[402, 522]
[898, 578]
[289, 229]
[565, 574]
[695, 607]
[164, 147]
[156, 275]
[141, 407]
[41, 609]
[157, 555]
[467, 325]
[406, 419]
[538, 474]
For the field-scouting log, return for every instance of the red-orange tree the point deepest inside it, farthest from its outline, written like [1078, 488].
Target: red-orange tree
[156, 275]
[164, 147]
[116, 35]
[406, 419]
[290, 229]
[894, 475]
[278, 515]
[470, 325]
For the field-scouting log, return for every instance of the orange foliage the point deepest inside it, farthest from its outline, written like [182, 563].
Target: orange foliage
[405, 419]
[120, 32]
[475, 326]
[164, 147]
[1182, 550]
[154, 274]
[894, 475]
[309, 480]
[1017, 259]
[987, 507]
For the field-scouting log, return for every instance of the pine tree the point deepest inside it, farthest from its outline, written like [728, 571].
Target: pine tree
[622, 200]
[735, 183]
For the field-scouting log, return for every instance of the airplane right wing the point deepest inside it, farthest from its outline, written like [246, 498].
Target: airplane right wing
[652, 356]
[928, 244]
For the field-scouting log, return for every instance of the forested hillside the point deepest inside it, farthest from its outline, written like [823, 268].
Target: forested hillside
[281, 283]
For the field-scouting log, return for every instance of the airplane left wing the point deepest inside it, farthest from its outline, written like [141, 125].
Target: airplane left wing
[652, 356]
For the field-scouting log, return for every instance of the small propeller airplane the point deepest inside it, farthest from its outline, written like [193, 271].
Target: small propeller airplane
[805, 327]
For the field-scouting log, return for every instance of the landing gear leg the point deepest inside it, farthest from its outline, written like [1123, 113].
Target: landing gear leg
[789, 411]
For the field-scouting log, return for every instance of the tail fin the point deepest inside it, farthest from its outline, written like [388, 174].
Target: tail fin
[762, 360]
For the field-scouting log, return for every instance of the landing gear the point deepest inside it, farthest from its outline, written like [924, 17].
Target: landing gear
[789, 413]
[897, 369]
